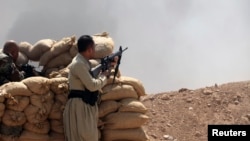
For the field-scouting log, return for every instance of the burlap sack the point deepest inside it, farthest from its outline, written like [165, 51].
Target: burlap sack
[56, 110]
[35, 114]
[22, 59]
[13, 118]
[2, 109]
[43, 101]
[56, 125]
[39, 48]
[59, 85]
[8, 138]
[59, 47]
[132, 105]
[40, 128]
[11, 131]
[124, 120]
[37, 84]
[56, 136]
[137, 84]
[60, 73]
[17, 103]
[136, 134]
[94, 62]
[31, 136]
[2, 98]
[48, 71]
[14, 89]
[73, 50]
[24, 47]
[104, 45]
[107, 107]
[62, 59]
[62, 98]
[118, 92]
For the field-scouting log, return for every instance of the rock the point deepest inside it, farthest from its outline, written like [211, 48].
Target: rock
[207, 92]
[168, 137]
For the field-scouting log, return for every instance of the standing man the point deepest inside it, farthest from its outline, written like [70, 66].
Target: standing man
[80, 116]
[8, 69]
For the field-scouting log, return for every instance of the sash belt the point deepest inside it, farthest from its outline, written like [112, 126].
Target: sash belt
[86, 96]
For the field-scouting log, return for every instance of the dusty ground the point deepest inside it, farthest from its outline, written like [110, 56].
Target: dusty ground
[183, 115]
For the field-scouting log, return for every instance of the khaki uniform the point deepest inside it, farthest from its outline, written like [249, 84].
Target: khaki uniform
[80, 119]
[8, 70]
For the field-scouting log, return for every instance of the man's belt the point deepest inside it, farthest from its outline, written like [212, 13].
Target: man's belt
[87, 96]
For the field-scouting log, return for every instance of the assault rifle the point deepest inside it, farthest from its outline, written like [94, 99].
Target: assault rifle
[106, 63]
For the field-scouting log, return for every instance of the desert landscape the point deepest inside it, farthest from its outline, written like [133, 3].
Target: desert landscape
[184, 114]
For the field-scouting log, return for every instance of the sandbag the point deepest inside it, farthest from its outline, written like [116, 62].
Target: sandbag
[35, 114]
[13, 118]
[136, 83]
[56, 136]
[10, 131]
[124, 120]
[56, 126]
[136, 134]
[104, 45]
[48, 71]
[59, 47]
[24, 47]
[22, 59]
[8, 138]
[59, 73]
[31, 136]
[62, 98]
[40, 128]
[94, 62]
[73, 50]
[107, 107]
[39, 48]
[118, 92]
[17, 103]
[62, 59]
[43, 101]
[37, 84]
[2, 98]
[132, 105]
[59, 85]
[2, 109]
[14, 89]
[56, 110]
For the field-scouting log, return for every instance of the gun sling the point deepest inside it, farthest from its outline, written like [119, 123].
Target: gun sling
[88, 97]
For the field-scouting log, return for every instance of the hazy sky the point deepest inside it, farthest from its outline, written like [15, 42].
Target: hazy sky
[171, 43]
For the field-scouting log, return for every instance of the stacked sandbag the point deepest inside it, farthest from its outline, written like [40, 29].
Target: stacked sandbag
[32, 109]
[104, 46]
[35, 51]
[121, 112]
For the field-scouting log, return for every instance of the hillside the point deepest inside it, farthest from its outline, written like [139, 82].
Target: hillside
[183, 115]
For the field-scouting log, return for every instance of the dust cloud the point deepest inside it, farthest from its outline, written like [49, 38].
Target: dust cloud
[171, 43]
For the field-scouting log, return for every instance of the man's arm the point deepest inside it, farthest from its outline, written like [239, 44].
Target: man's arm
[91, 83]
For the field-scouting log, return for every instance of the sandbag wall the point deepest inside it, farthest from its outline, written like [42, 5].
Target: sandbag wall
[121, 114]
[55, 55]
[32, 109]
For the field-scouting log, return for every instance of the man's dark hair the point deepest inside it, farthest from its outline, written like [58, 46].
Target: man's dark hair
[83, 42]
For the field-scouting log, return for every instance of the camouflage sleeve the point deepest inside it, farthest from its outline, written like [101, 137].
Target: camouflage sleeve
[9, 71]
[5, 70]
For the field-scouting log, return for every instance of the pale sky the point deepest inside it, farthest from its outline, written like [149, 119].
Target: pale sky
[172, 44]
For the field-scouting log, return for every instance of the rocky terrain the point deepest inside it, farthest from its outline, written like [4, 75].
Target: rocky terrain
[185, 114]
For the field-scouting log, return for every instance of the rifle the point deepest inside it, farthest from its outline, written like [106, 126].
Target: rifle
[106, 63]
